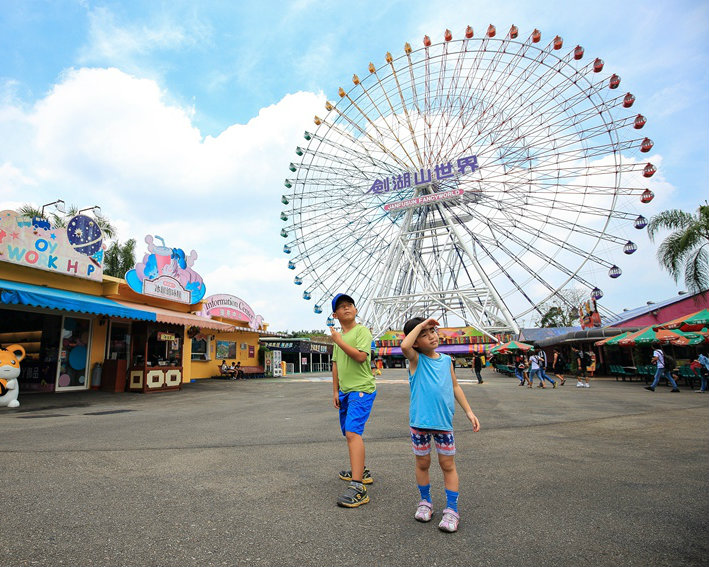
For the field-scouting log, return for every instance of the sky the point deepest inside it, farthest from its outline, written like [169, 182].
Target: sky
[180, 118]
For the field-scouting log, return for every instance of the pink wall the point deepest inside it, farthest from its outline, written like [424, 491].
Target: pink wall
[683, 307]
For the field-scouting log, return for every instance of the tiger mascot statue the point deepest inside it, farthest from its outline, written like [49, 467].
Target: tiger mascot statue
[10, 358]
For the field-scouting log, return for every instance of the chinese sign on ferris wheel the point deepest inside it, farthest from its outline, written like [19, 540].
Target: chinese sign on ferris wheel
[442, 172]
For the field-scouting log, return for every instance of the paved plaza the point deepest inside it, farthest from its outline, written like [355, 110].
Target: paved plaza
[245, 473]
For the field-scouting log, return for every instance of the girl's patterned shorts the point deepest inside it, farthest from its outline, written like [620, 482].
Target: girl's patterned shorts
[421, 441]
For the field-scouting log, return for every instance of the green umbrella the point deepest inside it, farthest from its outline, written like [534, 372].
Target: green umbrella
[612, 340]
[511, 346]
[691, 322]
[650, 335]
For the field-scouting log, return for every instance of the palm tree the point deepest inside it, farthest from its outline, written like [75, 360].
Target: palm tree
[119, 258]
[60, 221]
[687, 248]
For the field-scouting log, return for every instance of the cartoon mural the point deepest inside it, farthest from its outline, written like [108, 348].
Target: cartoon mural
[9, 371]
[76, 250]
[167, 273]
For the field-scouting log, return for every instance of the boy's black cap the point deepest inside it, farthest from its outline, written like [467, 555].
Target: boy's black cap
[339, 298]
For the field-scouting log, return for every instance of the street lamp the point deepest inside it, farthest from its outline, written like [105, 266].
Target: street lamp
[96, 209]
[59, 205]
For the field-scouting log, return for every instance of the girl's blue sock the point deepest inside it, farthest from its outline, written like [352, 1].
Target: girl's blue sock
[452, 500]
[425, 492]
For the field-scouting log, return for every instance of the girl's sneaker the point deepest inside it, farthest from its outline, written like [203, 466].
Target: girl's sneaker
[449, 522]
[424, 511]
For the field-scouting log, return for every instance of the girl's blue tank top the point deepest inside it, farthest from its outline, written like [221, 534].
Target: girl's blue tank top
[432, 401]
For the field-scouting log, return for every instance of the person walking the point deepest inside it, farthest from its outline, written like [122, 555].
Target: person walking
[353, 393]
[534, 371]
[477, 367]
[703, 361]
[658, 358]
[434, 389]
[559, 366]
[582, 362]
[542, 358]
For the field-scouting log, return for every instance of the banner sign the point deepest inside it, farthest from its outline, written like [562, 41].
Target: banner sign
[231, 307]
[424, 200]
[167, 273]
[442, 172]
[76, 250]
[589, 315]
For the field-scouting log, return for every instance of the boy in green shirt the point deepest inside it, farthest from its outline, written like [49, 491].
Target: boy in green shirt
[353, 393]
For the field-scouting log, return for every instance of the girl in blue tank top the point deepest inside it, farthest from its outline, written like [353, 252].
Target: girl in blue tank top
[434, 388]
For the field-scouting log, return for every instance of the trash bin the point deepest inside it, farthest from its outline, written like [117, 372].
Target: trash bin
[96, 376]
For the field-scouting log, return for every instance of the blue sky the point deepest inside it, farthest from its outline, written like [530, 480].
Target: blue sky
[180, 118]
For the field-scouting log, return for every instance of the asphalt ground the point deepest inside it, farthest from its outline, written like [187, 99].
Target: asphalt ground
[245, 473]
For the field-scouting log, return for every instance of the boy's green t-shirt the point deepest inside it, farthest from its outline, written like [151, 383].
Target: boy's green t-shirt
[355, 376]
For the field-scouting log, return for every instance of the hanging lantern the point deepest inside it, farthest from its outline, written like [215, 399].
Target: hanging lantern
[297, 280]
[578, 52]
[640, 222]
[468, 32]
[426, 41]
[291, 265]
[614, 82]
[284, 233]
[596, 293]
[286, 249]
[598, 65]
[317, 309]
[284, 199]
[447, 35]
[630, 247]
[514, 32]
[649, 170]
[615, 271]
[639, 122]
[558, 42]
[536, 36]
[647, 196]
[491, 31]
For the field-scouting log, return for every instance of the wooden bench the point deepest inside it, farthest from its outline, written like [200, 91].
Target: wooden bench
[252, 371]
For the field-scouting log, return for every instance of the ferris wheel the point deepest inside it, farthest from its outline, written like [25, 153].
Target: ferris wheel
[470, 179]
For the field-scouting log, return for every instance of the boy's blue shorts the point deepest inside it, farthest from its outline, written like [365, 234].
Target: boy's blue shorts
[355, 408]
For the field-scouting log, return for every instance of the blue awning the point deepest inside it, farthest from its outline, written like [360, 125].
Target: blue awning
[38, 296]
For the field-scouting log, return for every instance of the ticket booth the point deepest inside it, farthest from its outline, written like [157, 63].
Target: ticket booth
[156, 357]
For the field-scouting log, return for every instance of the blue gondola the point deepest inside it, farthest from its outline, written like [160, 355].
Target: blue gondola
[615, 271]
[306, 295]
[297, 280]
[286, 249]
[630, 247]
[291, 265]
[317, 309]
[640, 222]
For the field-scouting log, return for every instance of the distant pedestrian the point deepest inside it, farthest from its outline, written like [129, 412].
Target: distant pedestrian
[477, 367]
[559, 365]
[542, 357]
[521, 369]
[658, 358]
[703, 361]
[583, 360]
[534, 371]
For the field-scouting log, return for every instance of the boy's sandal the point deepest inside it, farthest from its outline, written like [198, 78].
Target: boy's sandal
[424, 511]
[449, 522]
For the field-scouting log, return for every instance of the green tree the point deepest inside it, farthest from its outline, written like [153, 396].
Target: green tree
[562, 310]
[119, 258]
[687, 246]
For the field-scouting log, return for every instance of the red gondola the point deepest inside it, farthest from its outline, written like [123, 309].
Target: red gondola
[640, 121]
[491, 31]
[468, 32]
[536, 36]
[649, 170]
[598, 65]
[615, 81]
[578, 52]
[628, 100]
[448, 35]
[514, 32]
[647, 196]
[426, 41]
[558, 42]
[646, 145]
